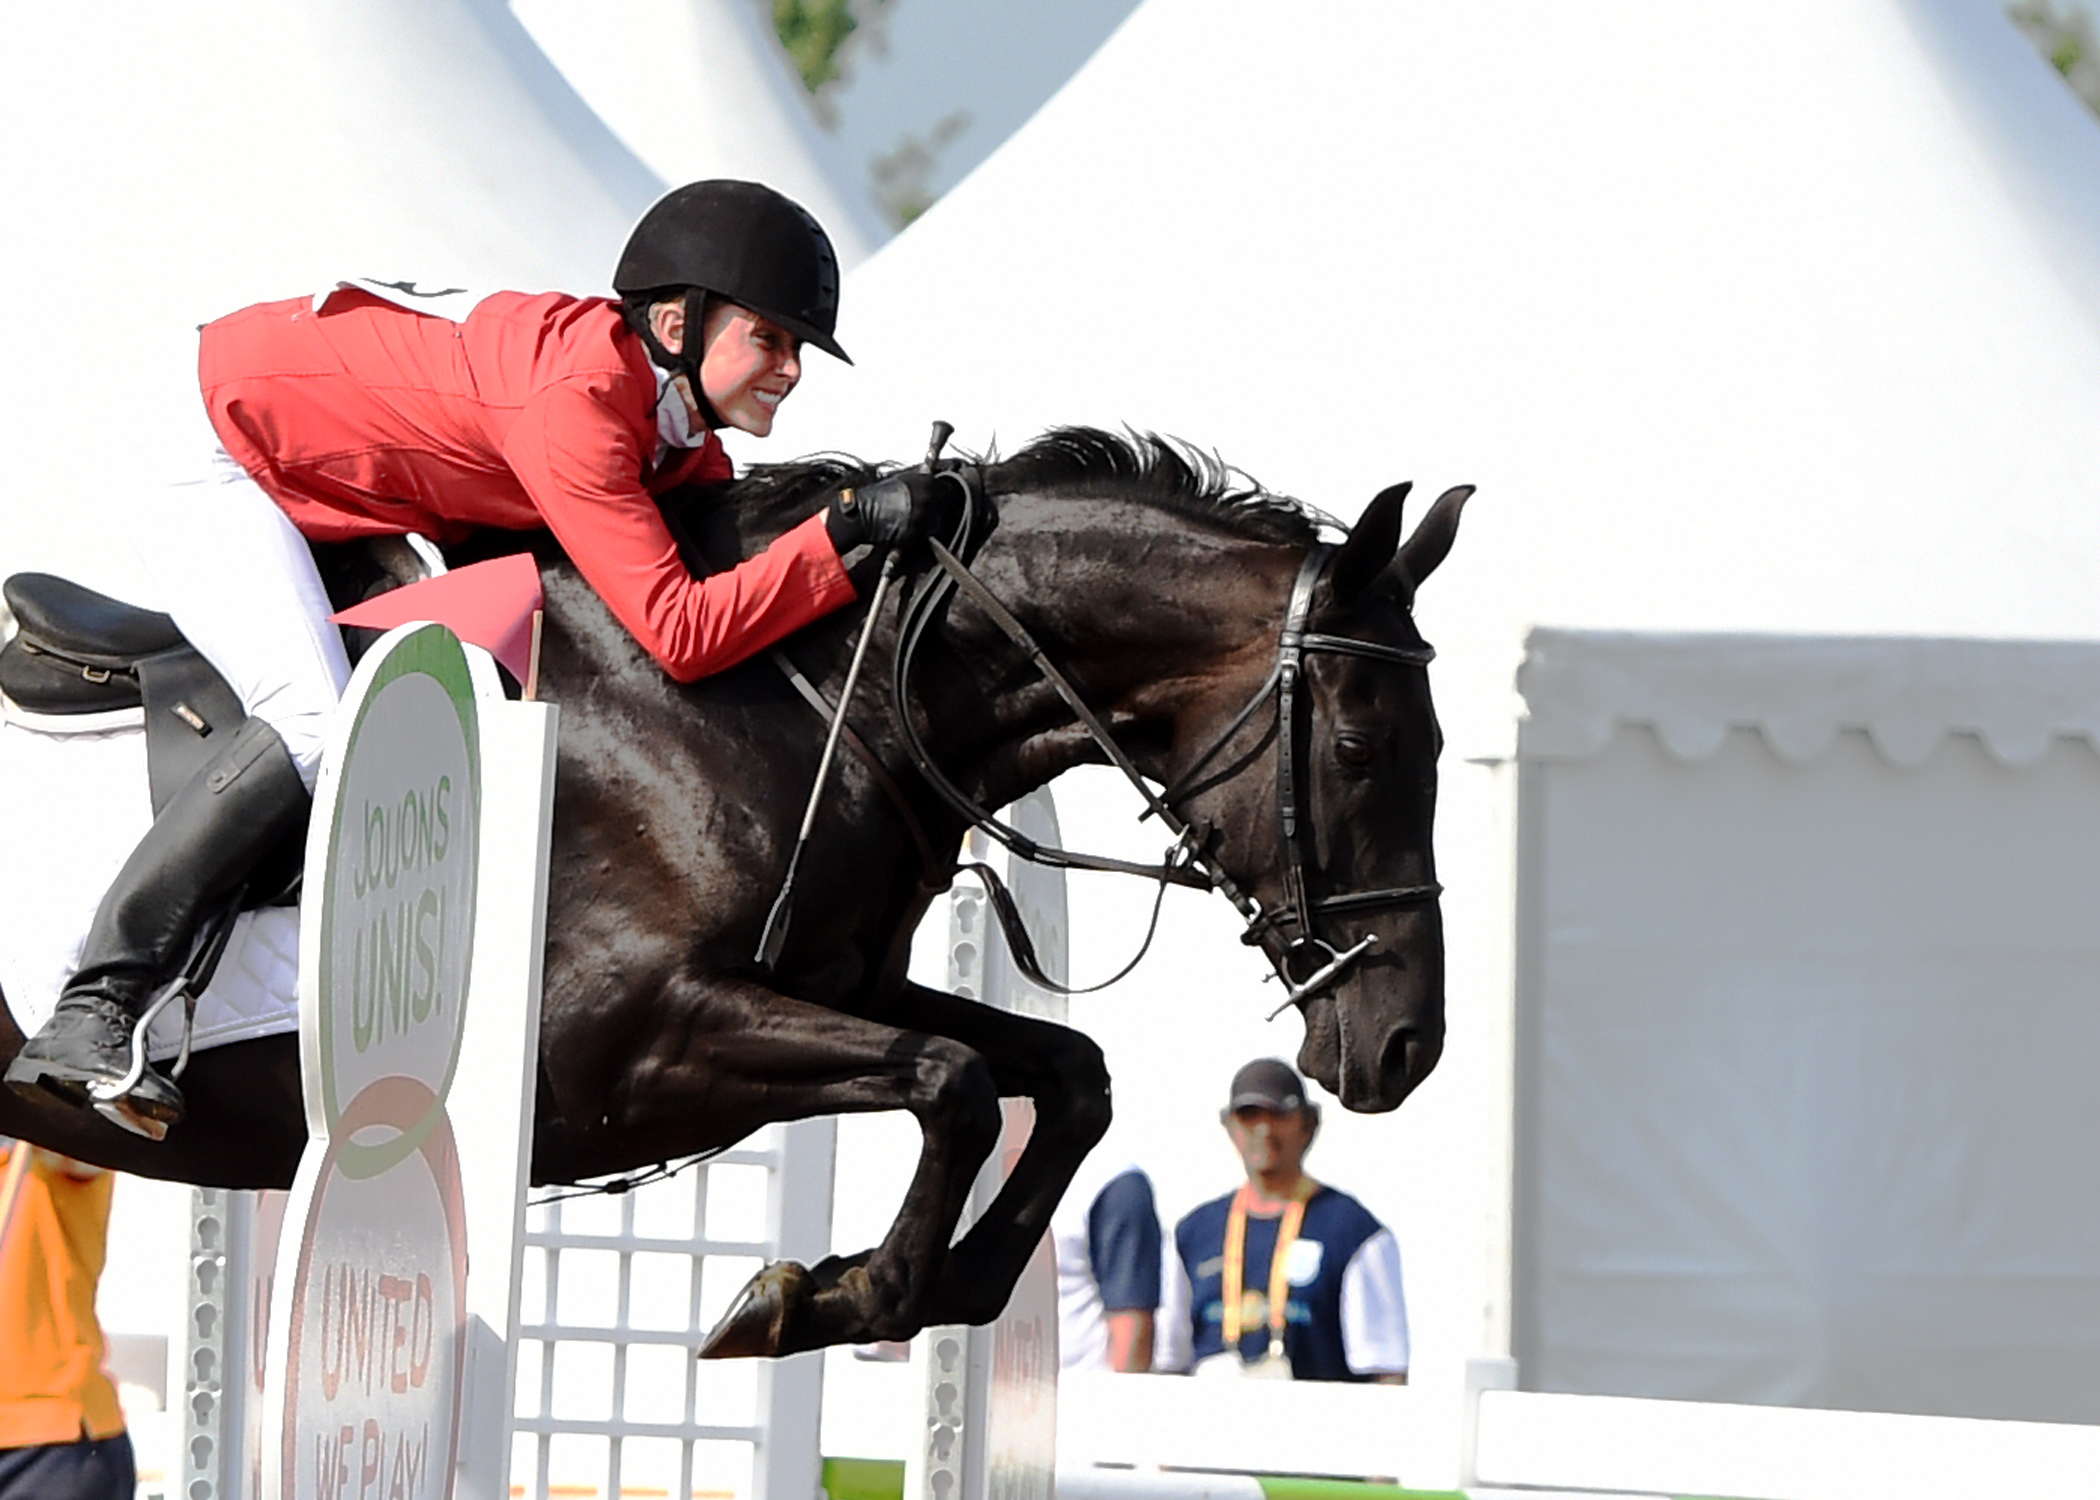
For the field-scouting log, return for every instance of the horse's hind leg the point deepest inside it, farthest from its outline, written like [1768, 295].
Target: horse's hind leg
[754, 1058]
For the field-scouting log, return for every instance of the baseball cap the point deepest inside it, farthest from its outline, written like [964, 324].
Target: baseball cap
[1267, 1083]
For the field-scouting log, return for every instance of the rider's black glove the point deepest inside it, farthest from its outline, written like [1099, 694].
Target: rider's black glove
[891, 512]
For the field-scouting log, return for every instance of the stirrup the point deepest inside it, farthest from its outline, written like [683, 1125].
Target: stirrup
[121, 1113]
[112, 1099]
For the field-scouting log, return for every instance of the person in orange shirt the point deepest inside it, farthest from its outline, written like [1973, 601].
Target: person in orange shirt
[62, 1433]
[384, 409]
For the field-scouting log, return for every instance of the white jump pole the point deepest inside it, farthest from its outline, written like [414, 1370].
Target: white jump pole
[991, 1393]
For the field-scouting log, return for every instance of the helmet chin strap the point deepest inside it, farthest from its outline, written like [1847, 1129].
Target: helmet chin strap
[687, 361]
[695, 321]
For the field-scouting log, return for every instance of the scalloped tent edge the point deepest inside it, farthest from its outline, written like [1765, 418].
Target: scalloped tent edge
[1907, 694]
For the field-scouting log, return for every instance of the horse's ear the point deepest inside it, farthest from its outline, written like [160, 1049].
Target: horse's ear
[1432, 539]
[1369, 547]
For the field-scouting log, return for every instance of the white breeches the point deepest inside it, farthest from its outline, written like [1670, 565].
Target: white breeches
[237, 577]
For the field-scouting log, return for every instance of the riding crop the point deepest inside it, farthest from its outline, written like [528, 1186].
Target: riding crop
[774, 937]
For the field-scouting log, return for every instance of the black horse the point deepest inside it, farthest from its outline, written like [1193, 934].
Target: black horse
[1299, 754]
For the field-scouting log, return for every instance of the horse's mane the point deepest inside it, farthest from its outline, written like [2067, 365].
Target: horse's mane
[1162, 472]
[1145, 468]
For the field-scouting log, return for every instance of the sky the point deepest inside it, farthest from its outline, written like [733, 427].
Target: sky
[959, 76]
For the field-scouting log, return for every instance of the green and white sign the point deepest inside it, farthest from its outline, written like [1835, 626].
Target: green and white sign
[387, 1372]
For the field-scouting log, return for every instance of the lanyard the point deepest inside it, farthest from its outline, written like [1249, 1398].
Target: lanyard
[1235, 1272]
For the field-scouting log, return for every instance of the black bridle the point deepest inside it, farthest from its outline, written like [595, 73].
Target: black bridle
[1189, 862]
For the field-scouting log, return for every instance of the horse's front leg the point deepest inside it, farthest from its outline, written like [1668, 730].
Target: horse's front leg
[1063, 1072]
[749, 1057]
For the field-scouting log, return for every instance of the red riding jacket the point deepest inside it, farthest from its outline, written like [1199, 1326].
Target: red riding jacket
[536, 410]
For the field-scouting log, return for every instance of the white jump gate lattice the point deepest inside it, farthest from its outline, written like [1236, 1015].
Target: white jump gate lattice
[618, 1290]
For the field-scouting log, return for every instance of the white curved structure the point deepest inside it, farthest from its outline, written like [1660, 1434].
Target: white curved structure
[1742, 321]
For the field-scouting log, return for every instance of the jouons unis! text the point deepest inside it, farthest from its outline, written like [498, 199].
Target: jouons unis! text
[398, 950]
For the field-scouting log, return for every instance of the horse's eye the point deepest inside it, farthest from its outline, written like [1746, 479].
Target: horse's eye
[1353, 751]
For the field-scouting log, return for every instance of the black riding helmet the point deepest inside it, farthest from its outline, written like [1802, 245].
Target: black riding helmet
[743, 242]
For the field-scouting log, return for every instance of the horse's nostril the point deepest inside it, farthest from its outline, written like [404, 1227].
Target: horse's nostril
[1407, 1058]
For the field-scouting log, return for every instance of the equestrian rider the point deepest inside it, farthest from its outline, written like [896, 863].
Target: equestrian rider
[353, 416]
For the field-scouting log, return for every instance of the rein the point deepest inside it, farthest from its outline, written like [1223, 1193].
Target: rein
[1188, 862]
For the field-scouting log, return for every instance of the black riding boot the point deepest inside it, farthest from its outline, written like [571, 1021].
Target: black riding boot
[243, 805]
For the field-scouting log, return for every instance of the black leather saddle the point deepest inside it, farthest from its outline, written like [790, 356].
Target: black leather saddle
[80, 652]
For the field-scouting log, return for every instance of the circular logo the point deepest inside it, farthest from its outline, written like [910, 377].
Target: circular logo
[377, 1336]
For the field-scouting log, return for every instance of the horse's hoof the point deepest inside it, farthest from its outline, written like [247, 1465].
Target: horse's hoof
[757, 1321]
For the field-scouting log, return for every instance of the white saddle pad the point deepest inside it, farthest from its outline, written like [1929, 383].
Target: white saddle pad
[73, 805]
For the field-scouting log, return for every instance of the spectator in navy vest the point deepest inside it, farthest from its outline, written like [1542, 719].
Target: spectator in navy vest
[1284, 1278]
[1106, 1233]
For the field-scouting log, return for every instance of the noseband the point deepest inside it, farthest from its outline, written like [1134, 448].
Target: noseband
[1189, 862]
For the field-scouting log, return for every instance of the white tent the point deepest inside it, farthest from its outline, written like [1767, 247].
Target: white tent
[1806, 1021]
[702, 88]
[1773, 317]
